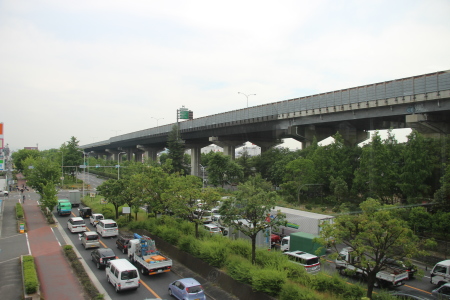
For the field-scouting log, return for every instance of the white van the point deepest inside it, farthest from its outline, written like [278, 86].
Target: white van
[107, 228]
[122, 275]
[440, 273]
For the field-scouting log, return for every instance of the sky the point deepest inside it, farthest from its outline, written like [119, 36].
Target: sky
[97, 69]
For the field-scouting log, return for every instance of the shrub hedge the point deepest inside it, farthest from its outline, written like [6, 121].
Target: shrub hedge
[30, 276]
[79, 270]
[273, 273]
[19, 211]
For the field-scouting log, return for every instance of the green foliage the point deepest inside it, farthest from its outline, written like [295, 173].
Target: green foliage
[189, 244]
[269, 281]
[19, 211]
[42, 172]
[122, 221]
[21, 155]
[170, 234]
[248, 211]
[30, 275]
[241, 247]
[176, 151]
[240, 269]
[335, 285]
[213, 252]
[291, 291]
[222, 170]
[108, 213]
[49, 195]
[374, 234]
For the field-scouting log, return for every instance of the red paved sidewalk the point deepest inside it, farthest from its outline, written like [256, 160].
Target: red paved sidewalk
[55, 275]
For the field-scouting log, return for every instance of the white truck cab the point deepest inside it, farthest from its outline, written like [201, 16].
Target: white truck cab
[440, 273]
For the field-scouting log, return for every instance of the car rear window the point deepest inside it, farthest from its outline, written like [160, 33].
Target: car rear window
[92, 237]
[110, 225]
[108, 253]
[78, 222]
[194, 289]
[129, 274]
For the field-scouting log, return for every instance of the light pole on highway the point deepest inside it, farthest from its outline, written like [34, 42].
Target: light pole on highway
[157, 120]
[203, 170]
[247, 96]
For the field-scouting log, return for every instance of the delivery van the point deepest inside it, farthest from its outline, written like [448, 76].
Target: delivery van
[122, 275]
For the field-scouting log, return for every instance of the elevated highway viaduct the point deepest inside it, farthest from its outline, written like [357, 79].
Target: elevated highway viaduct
[421, 102]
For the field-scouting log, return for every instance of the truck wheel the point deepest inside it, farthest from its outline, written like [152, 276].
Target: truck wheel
[107, 279]
[170, 292]
[378, 284]
[342, 272]
[144, 271]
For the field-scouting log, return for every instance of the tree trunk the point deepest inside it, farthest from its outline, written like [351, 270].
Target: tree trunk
[253, 250]
[370, 284]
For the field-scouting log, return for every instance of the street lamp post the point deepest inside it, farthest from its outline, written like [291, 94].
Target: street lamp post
[203, 170]
[157, 120]
[118, 166]
[247, 96]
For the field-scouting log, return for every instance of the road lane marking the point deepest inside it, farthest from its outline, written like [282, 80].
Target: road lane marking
[148, 288]
[417, 289]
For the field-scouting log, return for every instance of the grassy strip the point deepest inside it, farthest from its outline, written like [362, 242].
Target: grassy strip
[79, 270]
[30, 276]
[19, 211]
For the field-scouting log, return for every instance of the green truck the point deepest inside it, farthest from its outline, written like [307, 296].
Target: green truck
[64, 207]
[302, 241]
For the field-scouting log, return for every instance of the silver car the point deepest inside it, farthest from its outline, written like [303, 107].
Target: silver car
[442, 292]
[89, 239]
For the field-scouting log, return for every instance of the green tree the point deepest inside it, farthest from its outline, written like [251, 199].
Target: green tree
[374, 235]
[420, 220]
[49, 195]
[222, 170]
[184, 197]
[73, 156]
[111, 189]
[176, 149]
[40, 172]
[442, 195]
[375, 176]
[418, 167]
[245, 161]
[249, 211]
[300, 173]
[19, 157]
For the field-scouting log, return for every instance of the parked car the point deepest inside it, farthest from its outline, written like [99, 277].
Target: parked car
[410, 268]
[442, 292]
[101, 256]
[89, 239]
[76, 224]
[85, 212]
[123, 243]
[187, 289]
[95, 218]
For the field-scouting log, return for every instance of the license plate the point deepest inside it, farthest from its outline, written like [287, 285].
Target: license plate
[160, 271]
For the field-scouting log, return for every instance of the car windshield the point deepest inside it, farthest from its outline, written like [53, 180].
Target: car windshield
[194, 289]
[312, 261]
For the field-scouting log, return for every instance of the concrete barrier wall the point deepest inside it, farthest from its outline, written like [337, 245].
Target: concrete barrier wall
[223, 280]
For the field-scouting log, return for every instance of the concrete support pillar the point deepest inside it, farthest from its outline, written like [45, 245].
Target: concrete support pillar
[150, 152]
[229, 146]
[428, 125]
[138, 156]
[195, 160]
[351, 135]
[306, 134]
[114, 153]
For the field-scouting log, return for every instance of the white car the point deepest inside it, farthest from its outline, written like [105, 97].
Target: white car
[76, 224]
[4, 193]
[95, 218]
